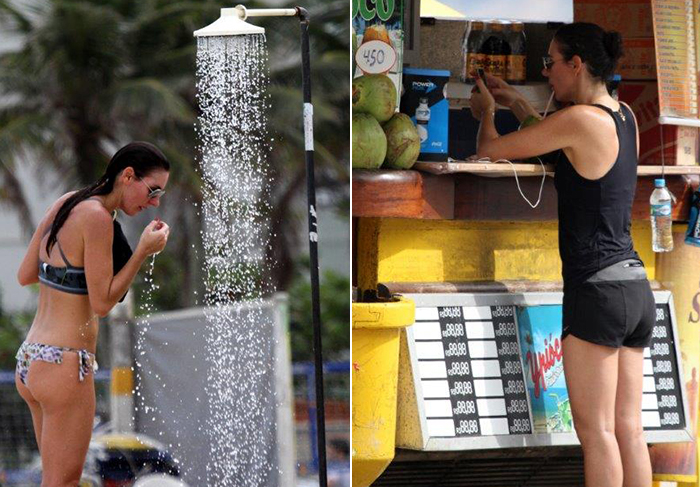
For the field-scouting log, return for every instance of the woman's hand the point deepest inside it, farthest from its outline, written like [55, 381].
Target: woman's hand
[504, 94]
[154, 237]
[481, 101]
[509, 97]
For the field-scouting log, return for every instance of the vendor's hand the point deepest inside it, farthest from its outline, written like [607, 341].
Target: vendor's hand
[481, 101]
[154, 237]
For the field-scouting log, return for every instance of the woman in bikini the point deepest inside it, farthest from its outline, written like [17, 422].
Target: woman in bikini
[84, 266]
[608, 306]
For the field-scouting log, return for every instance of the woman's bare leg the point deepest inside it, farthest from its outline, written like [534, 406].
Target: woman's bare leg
[34, 408]
[591, 378]
[628, 418]
[68, 410]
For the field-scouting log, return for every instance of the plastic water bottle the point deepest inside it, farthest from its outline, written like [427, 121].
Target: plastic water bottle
[661, 220]
[422, 119]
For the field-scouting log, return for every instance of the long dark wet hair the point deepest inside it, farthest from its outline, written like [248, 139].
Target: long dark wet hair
[141, 156]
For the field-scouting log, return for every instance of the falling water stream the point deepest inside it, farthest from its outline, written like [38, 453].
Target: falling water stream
[232, 81]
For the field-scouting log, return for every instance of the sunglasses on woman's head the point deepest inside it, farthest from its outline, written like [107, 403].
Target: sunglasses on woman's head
[153, 193]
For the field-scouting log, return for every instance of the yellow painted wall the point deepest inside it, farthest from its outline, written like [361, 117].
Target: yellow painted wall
[405, 250]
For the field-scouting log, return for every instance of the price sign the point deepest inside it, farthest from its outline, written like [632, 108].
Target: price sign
[662, 406]
[470, 371]
[375, 57]
[488, 372]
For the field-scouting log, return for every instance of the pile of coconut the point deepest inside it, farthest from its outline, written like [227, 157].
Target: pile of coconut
[380, 137]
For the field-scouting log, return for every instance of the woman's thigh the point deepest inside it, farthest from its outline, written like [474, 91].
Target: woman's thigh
[591, 379]
[34, 408]
[630, 385]
[68, 407]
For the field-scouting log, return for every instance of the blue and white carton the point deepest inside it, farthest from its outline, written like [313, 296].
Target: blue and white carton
[424, 101]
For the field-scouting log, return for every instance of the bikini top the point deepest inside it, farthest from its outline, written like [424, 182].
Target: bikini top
[71, 279]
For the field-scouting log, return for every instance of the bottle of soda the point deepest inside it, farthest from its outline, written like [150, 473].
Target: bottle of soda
[495, 49]
[661, 220]
[517, 59]
[472, 57]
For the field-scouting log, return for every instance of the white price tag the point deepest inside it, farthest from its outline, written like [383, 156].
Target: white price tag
[375, 57]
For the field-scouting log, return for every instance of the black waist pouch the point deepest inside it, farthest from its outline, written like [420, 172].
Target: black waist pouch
[121, 251]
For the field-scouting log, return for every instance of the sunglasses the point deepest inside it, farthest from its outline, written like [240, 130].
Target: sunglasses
[548, 62]
[153, 193]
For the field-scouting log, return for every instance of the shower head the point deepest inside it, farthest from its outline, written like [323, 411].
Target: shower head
[232, 21]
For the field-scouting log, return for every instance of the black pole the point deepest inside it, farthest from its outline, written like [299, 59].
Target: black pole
[313, 245]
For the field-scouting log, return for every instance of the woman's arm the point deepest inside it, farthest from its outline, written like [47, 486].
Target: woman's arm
[28, 272]
[511, 98]
[561, 130]
[579, 130]
[104, 288]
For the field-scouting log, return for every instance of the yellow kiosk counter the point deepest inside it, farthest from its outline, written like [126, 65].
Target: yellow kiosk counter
[481, 398]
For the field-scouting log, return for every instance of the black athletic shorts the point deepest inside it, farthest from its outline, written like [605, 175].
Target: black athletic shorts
[611, 313]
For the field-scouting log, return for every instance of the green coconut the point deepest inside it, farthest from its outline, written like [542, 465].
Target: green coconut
[374, 94]
[402, 142]
[368, 142]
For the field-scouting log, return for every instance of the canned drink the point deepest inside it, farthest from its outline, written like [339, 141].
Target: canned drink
[692, 236]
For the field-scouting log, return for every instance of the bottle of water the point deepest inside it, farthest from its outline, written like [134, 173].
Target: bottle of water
[661, 220]
[422, 119]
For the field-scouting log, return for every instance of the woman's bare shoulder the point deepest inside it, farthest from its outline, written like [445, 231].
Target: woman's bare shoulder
[59, 202]
[584, 112]
[94, 211]
[586, 119]
[89, 214]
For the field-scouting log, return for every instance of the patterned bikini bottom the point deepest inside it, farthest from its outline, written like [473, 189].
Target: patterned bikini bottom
[30, 352]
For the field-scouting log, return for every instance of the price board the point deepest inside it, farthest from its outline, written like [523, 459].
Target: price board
[479, 381]
[674, 33]
[662, 405]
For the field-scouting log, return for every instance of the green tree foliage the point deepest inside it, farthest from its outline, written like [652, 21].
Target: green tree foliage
[13, 329]
[335, 316]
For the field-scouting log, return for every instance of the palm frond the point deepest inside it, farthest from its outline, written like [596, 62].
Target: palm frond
[150, 101]
[12, 16]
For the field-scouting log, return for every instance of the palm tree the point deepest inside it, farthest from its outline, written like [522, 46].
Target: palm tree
[330, 81]
[92, 74]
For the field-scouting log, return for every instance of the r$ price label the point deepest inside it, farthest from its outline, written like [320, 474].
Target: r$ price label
[375, 57]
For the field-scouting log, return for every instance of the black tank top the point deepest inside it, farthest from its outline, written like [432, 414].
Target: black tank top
[595, 216]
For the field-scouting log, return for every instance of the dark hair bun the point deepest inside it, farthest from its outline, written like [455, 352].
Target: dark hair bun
[612, 40]
[599, 49]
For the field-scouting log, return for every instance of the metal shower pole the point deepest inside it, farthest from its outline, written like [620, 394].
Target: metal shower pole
[308, 113]
[313, 243]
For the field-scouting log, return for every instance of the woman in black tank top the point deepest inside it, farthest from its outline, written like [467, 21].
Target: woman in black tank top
[608, 308]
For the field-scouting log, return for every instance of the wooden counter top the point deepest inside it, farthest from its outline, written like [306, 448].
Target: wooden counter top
[450, 191]
[503, 169]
